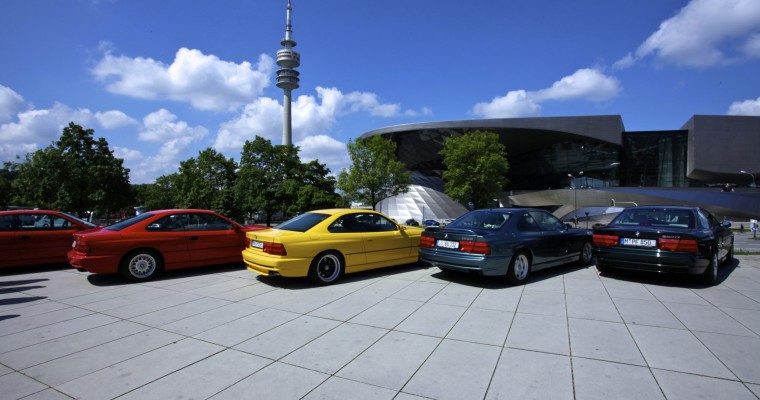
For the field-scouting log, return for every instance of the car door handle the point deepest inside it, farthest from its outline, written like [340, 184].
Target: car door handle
[193, 238]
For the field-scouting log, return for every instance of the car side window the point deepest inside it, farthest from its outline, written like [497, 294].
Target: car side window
[527, 223]
[206, 222]
[375, 223]
[6, 222]
[39, 222]
[345, 224]
[169, 223]
[547, 222]
[704, 222]
[711, 221]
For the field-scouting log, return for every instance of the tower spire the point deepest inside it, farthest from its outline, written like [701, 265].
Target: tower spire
[287, 77]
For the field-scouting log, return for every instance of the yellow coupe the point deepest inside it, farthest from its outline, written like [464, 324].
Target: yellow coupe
[325, 244]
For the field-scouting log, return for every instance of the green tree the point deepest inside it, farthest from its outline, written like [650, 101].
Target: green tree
[7, 175]
[76, 173]
[206, 182]
[159, 195]
[476, 168]
[375, 172]
[317, 189]
[268, 178]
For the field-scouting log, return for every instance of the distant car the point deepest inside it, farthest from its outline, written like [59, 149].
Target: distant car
[431, 222]
[506, 242]
[37, 237]
[665, 239]
[143, 246]
[411, 222]
[325, 244]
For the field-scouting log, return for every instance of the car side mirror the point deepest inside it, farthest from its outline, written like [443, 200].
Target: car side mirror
[727, 224]
[568, 226]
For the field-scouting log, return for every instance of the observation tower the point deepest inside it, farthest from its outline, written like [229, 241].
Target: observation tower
[287, 77]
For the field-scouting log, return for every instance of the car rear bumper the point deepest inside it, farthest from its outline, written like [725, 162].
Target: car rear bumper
[267, 265]
[487, 265]
[94, 264]
[662, 261]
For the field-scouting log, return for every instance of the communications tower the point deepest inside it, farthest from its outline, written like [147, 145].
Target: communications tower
[287, 77]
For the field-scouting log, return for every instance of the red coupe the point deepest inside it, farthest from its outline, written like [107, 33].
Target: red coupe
[143, 246]
[36, 237]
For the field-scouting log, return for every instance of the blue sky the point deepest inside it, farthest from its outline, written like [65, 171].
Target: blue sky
[163, 80]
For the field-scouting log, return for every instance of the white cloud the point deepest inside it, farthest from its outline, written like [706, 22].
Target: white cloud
[746, 107]
[10, 103]
[325, 149]
[702, 33]
[176, 137]
[204, 81]
[310, 116]
[751, 47]
[584, 84]
[114, 119]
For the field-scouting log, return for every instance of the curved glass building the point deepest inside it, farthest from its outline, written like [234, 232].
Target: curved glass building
[566, 164]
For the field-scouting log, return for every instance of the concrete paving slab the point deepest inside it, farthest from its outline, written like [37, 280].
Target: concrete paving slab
[602, 380]
[530, 375]
[391, 361]
[406, 333]
[455, 370]
[601, 340]
[545, 333]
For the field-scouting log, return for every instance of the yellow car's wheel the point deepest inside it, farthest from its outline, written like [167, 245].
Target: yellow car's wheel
[326, 268]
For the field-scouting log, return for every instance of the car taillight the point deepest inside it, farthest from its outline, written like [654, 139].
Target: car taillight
[83, 247]
[426, 241]
[277, 249]
[685, 245]
[605, 240]
[469, 246]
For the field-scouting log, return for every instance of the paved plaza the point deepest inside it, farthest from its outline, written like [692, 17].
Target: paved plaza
[398, 333]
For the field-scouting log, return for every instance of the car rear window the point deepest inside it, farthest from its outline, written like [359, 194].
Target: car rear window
[488, 220]
[303, 222]
[656, 217]
[128, 222]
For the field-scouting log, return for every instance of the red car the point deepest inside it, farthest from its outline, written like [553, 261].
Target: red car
[36, 237]
[143, 246]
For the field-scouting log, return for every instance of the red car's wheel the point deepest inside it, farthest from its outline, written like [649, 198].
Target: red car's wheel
[141, 265]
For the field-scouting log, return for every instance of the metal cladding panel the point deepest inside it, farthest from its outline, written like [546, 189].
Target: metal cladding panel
[722, 145]
[421, 203]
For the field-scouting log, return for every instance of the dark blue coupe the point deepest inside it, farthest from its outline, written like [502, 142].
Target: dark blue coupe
[665, 239]
[505, 242]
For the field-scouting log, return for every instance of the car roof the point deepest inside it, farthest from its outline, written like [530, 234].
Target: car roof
[341, 211]
[21, 212]
[660, 207]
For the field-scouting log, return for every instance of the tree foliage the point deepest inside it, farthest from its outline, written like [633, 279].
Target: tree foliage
[375, 172]
[206, 182]
[476, 168]
[76, 173]
[272, 179]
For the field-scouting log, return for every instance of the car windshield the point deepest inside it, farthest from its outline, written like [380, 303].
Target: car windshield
[81, 221]
[128, 222]
[483, 219]
[662, 217]
[303, 222]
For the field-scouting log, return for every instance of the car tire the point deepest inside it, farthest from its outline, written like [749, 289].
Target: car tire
[141, 265]
[326, 268]
[710, 276]
[587, 254]
[519, 268]
[729, 260]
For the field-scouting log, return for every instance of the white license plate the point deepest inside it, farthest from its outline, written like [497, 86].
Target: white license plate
[638, 242]
[257, 244]
[447, 244]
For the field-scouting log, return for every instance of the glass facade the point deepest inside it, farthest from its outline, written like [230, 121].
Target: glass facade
[548, 167]
[654, 159]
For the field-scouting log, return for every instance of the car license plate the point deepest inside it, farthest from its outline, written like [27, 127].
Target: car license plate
[447, 244]
[638, 242]
[257, 244]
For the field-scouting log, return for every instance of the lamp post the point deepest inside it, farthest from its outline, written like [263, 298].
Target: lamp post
[753, 176]
[575, 194]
